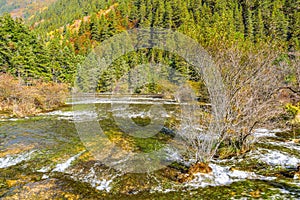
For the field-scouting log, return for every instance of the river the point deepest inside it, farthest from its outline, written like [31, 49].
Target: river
[45, 157]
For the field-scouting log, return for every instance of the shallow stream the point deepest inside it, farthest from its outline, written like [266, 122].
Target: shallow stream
[43, 157]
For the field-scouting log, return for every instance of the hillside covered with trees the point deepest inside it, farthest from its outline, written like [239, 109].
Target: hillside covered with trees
[23, 8]
[234, 20]
[75, 27]
[25, 55]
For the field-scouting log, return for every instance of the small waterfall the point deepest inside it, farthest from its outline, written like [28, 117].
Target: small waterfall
[222, 176]
[11, 160]
[276, 158]
[63, 166]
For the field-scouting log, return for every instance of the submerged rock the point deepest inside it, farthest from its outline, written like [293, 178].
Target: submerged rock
[168, 131]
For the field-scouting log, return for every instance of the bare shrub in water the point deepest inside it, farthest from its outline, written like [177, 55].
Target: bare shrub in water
[252, 81]
[191, 132]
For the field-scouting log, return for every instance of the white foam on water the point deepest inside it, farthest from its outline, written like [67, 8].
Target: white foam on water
[262, 132]
[4, 119]
[283, 191]
[222, 176]
[44, 169]
[289, 145]
[63, 166]
[163, 190]
[76, 115]
[142, 115]
[59, 112]
[104, 185]
[8, 119]
[173, 155]
[95, 181]
[276, 158]
[296, 182]
[125, 100]
[11, 160]
[110, 101]
[232, 159]
[45, 176]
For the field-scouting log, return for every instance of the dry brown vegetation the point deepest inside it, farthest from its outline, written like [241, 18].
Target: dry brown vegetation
[18, 99]
[252, 81]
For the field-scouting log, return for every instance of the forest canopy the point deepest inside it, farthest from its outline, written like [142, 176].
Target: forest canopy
[62, 35]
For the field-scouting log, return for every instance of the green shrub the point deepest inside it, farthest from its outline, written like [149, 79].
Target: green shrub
[294, 113]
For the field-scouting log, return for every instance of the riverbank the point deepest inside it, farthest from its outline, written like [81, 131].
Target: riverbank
[18, 99]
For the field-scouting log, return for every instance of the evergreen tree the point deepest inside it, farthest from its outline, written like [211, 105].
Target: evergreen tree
[259, 26]
[249, 25]
[94, 27]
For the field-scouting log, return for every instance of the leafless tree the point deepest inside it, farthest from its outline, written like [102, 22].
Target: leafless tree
[252, 81]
